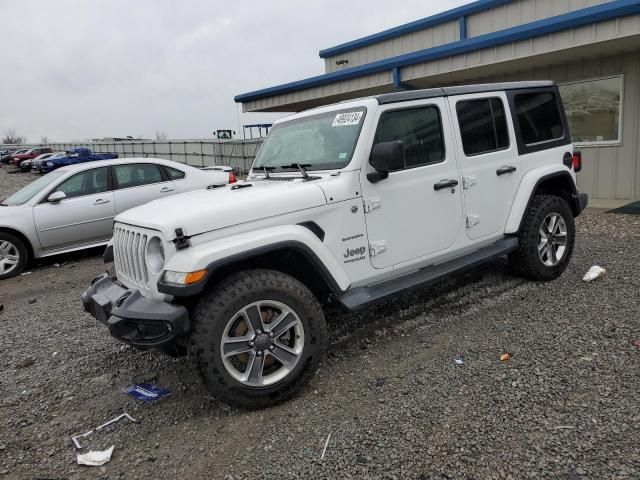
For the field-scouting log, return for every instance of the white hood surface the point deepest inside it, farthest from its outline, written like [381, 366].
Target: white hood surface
[207, 210]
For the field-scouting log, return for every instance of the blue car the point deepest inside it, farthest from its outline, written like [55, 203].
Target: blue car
[77, 155]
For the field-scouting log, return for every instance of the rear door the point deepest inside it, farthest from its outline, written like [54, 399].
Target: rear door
[138, 183]
[411, 214]
[84, 216]
[489, 160]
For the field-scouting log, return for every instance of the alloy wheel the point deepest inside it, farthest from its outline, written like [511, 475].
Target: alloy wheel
[9, 257]
[552, 239]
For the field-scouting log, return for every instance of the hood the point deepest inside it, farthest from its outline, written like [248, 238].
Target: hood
[206, 210]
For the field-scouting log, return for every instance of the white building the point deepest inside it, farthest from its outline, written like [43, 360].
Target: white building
[590, 48]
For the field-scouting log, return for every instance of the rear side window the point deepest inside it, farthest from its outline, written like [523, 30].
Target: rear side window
[538, 117]
[136, 174]
[174, 173]
[419, 129]
[483, 126]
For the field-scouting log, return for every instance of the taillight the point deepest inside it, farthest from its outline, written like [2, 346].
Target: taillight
[232, 177]
[576, 161]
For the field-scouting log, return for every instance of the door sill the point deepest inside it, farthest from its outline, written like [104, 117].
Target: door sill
[362, 296]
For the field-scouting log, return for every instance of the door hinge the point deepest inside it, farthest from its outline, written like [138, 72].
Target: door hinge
[377, 248]
[473, 220]
[469, 181]
[372, 203]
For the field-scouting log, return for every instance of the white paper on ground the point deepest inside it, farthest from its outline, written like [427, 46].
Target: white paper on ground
[96, 458]
[593, 273]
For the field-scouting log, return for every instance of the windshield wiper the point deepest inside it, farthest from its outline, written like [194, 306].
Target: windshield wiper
[266, 169]
[300, 166]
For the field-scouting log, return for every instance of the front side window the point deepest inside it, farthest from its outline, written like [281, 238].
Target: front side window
[420, 131]
[319, 142]
[483, 126]
[136, 174]
[593, 109]
[88, 182]
[538, 117]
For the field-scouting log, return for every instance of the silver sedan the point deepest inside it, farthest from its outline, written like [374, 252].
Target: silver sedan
[72, 208]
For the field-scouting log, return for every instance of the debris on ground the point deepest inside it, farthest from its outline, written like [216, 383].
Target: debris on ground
[75, 440]
[1, 307]
[146, 392]
[326, 444]
[594, 272]
[32, 301]
[380, 382]
[459, 360]
[636, 343]
[27, 362]
[25, 273]
[95, 458]
[505, 357]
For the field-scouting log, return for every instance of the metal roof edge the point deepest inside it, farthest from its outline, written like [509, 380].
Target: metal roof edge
[431, 21]
[597, 13]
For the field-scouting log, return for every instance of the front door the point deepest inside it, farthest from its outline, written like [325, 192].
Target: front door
[415, 211]
[85, 216]
[488, 159]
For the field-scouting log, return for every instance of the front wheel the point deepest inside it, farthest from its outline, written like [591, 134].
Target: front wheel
[257, 338]
[13, 256]
[546, 239]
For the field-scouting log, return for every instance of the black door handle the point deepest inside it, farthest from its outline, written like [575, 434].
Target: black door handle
[505, 169]
[445, 184]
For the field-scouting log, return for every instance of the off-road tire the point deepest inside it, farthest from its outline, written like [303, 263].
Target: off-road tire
[23, 254]
[215, 309]
[525, 261]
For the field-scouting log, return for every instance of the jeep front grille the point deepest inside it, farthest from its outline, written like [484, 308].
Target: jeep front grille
[129, 247]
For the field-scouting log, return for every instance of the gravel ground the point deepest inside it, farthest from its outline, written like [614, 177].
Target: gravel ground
[390, 394]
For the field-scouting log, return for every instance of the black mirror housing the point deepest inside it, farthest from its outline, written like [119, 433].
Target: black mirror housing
[386, 157]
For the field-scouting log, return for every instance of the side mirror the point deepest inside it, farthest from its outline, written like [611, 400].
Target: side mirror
[386, 157]
[55, 197]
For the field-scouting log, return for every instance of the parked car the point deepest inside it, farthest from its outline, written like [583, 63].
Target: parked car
[36, 162]
[7, 158]
[25, 165]
[345, 205]
[18, 158]
[73, 207]
[73, 157]
[222, 168]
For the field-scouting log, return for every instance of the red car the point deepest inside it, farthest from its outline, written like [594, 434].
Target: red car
[28, 155]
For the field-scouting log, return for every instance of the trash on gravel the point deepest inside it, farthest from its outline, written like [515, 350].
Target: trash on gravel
[326, 444]
[1, 307]
[594, 272]
[25, 273]
[75, 440]
[32, 300]
[97, 458]
[565, 427]
[505, 357]
[27, 362]
[146, 392]
[636, 343]
[459, 360]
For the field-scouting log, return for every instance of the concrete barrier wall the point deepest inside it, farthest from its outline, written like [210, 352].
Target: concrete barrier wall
[238, 154]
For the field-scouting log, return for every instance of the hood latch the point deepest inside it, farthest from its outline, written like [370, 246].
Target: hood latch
[181, 241]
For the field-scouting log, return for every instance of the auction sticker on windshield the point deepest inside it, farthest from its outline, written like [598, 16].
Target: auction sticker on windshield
[344, 119]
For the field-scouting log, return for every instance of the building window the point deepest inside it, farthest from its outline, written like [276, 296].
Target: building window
[420, 131]
[483, 126]
[538, 117]
[593, 109]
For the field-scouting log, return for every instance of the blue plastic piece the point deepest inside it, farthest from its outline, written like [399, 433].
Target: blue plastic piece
[146, 392]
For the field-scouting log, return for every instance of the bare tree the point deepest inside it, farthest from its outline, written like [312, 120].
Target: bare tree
[161, 135]
[44, 140]
[10, 137]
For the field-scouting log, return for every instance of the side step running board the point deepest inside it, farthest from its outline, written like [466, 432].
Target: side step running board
[361, 296]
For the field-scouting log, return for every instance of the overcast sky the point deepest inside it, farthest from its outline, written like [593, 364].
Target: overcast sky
[71, 70]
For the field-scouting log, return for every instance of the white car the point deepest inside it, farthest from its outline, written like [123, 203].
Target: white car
[35, 163]
[72, 208]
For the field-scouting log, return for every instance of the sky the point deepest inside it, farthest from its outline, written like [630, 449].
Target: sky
[77, 69]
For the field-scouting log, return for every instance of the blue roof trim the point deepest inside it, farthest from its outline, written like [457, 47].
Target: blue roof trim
[598, 13]
[421, 24]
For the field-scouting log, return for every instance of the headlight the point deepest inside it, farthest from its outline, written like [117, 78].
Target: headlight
[49, 164]
[155, 255]
[184, 278]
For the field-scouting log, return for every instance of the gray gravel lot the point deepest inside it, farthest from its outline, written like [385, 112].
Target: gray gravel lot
[566, 406]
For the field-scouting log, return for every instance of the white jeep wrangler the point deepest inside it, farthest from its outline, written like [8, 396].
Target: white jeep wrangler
[349, 203]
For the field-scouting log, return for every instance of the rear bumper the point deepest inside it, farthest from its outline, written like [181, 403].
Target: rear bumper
[580, 201]
[132, 318]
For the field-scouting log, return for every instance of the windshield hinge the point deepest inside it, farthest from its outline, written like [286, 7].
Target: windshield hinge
[376, 248]
[181, 241]
[372, 203]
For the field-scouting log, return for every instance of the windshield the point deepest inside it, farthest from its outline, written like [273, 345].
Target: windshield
[27, 193]
[319, 142]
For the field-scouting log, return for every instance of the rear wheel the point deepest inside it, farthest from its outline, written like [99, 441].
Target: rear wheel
[546, 239]
[13, 256]
[257, 338]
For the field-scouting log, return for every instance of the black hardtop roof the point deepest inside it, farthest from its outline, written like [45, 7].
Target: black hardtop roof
[409, 95]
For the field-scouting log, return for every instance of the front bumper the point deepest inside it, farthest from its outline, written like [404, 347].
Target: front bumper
[580, 201]
[132, 318]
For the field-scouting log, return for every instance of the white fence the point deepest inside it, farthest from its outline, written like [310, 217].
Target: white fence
[238, 154]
